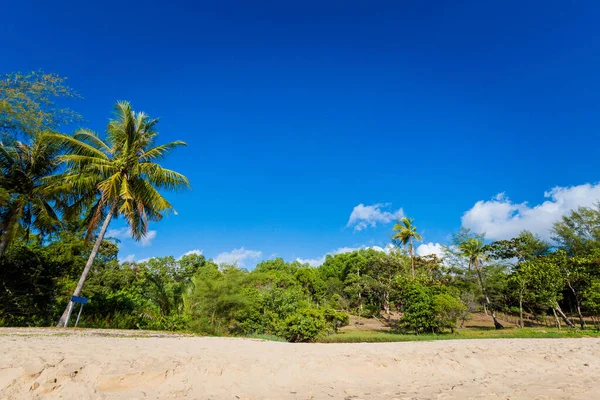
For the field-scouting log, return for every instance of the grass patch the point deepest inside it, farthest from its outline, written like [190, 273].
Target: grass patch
[270, 338]
[374, 336]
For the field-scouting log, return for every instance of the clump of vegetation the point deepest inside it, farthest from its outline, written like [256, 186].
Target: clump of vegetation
[432, 309]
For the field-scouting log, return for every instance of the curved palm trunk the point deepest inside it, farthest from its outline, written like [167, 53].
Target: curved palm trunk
[497, 324]
[7, 231]
[64, 319]
[412, 259]
[4, 241]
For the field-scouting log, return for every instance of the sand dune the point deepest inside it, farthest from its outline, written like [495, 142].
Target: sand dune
[39, 364]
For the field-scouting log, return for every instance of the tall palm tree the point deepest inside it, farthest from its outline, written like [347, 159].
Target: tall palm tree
[406, 232]
[472, 248]
[28, 201]
[121, 175]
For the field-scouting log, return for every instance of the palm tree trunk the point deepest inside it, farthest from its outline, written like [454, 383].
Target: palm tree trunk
[4, 242]
[64, 319]
[7, 231]
[412, 258]
[497, 324]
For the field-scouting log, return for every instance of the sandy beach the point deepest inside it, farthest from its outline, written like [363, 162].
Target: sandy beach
[49, 364]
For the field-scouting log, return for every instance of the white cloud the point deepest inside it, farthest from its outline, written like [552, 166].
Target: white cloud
[315, 262]
[187, 253]
[129, 258]
[120, 233]
[369, 216]
[125, 233]
[500, 218]
[387, 249]
[426, 249]
[147, 240]
[237, 257]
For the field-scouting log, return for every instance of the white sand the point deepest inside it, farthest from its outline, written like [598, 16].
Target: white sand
[88, 366]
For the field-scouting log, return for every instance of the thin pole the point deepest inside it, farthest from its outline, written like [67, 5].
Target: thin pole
[71, 306]
[78, 315]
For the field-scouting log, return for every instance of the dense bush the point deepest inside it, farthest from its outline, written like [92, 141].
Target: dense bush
[419, 312]
[430, 308]
[448, 310]
[336, 319]
[304, 325]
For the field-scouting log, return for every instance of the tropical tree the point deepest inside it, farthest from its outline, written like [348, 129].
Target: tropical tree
[120, 175]
[546, 279]
[28, 200]
[472, 248]
[28, 104]
[406, 232]
[578, 233]
[525, 247]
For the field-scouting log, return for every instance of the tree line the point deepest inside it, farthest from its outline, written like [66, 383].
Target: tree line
[59, 193]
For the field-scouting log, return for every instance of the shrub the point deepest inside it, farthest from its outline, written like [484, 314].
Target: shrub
[336, 319]
[430, 308]
[338, 302]
[168, 323]
[304, 325]
[419, 313]
[448, 309]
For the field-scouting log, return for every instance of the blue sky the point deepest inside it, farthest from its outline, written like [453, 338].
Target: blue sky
[295, 114]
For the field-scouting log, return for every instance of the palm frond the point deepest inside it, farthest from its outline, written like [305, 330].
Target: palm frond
[159, 152]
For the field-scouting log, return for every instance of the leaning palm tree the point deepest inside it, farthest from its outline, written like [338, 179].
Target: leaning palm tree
[120, 176]
[28, 202]
[472, 248]
[406, 232]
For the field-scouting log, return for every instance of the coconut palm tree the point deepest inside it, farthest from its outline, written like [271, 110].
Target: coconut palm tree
[406, 232]
[121, 176]
[27, 202]
[472, 248]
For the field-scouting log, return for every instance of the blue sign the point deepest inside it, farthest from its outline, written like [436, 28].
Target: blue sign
[77, 299]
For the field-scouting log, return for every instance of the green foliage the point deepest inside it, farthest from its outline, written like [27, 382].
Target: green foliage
[216, 300]
[370, 336]
[419, 312]
[123, 170]
[430, 308]
[544, 278]
[448, 310]
[27, 104]
[29, 203]
[524, 247]
[28, 285]
[592, 297]
[119, 177]
[304, 325]
[406, 231]
[335, 318]
[578, 233]
[406, 234]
